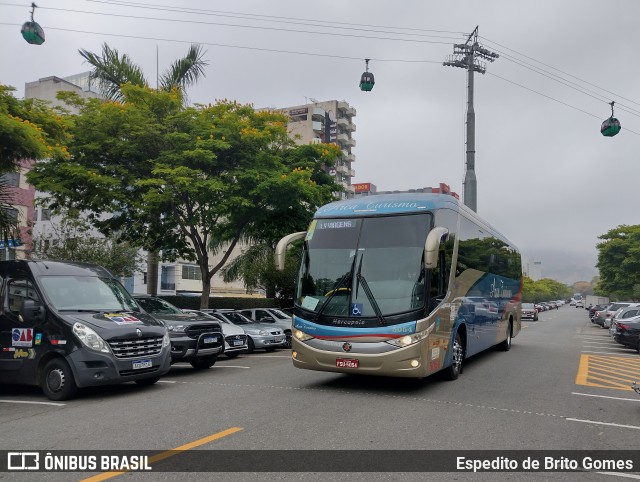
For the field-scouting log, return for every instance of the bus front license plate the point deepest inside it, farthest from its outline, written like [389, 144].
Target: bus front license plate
[347, 363]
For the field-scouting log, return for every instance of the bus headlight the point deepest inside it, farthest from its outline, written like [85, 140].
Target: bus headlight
[407, 340]
[302, 336]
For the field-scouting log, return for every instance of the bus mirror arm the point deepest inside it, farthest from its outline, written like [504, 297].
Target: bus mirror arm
[283, 244]
[432, 246]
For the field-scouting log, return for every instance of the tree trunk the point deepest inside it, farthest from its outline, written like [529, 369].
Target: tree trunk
[206, 291]
[152, 273]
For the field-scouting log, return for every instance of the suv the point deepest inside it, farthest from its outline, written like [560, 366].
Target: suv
[194, 338]
[271, 315]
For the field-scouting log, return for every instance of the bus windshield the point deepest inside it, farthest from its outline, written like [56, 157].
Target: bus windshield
[364, 267]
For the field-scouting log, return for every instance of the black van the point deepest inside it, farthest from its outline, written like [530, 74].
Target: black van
[69, 325]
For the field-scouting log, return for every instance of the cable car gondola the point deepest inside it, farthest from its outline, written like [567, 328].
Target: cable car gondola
[367, 81]
[611, 126]
[31, 31]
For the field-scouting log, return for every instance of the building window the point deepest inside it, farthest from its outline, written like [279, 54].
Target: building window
[11, 179]
[144, 278]
[45, 214]
[191, 272]
[167, 278]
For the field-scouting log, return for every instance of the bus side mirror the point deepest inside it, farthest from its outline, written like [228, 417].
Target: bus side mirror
[31, 311]
[283, 244]
[437, 236]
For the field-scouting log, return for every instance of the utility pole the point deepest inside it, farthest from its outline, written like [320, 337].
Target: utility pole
[466, 56]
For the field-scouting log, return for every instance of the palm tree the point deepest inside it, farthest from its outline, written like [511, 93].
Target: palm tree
[112, 70]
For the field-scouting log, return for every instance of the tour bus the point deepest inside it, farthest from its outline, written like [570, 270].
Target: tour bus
[401, 285]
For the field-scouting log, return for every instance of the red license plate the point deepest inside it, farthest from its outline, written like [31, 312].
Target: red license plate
[347, 362]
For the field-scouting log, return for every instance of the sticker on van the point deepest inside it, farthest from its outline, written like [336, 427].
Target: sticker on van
[22, 337]
[121, 319]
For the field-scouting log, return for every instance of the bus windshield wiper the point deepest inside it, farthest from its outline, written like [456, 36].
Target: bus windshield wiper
[336, 288]
[369, 293]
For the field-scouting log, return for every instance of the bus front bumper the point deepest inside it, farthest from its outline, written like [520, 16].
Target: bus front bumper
[362, 359]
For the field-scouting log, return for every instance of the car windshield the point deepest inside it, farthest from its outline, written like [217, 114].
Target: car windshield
[158, 306]
[87, 293]
[527, 306]
[238, 319]
[280, 314]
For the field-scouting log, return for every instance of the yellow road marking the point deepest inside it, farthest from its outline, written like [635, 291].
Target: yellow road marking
[607, 371]
[169, 453]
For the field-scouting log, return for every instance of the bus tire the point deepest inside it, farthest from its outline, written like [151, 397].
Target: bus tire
[506, 344]
[57, 380]
[454, 370]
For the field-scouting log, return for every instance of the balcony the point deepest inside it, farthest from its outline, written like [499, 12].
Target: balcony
[342, 105]
[350, 142]
[342, 138]
[352, 173]
[351, 112]
[343, 122]
[350, 158]
[342, 170]
[351, 127]
[317, 126]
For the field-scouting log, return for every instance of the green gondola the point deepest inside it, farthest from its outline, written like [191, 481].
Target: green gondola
[31, 31]
[367, 80]
[611, 126]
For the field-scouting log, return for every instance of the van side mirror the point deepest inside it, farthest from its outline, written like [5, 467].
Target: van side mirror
[31, 311]
[437, 236]
[283, 244]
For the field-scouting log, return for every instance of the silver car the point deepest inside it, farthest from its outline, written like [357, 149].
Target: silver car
[271, 316]
[235, 338]
[259, 335]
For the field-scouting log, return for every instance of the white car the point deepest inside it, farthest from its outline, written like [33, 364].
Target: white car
[579, 304]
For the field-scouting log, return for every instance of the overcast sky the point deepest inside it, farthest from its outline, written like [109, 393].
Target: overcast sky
[546, 176]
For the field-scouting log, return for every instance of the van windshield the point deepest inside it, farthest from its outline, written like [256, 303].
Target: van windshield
[87, 293]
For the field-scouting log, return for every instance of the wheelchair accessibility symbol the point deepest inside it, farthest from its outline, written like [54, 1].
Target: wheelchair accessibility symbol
[356, 309]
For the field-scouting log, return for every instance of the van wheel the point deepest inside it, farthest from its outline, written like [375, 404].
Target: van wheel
[57, 380]
[506, 344]
[203, 363]
[457, 358]
[147, 381]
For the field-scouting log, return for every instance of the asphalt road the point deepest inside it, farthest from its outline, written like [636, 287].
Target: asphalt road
[563, 386]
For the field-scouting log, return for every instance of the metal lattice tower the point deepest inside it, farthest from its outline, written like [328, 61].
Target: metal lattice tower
[470, 56]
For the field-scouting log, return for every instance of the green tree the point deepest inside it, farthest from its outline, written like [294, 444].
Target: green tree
[29, 129]
[186, 179]
[112, 70]
[72, 238]
[619, 262]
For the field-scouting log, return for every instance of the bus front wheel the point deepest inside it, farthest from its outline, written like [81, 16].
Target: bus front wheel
[457, 359]
[506, 344]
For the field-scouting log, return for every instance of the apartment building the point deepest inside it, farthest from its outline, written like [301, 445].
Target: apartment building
[326, 122]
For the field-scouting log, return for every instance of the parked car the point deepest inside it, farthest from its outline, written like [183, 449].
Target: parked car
[195, 339]
[594, 309]
[529, 311]
[579, 304]
[604, 320]
[259, 335]
[630, 313]
[235, 339]
[65, 326]
[627, 332]
[271, 315]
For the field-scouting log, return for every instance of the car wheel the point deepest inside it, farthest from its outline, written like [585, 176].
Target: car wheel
[232, 354]
[203, 363]
[250, 345]
[147, 381]
[506, 344]
[457, 358]
[287, 341]
[57, 380]
[270, 349]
